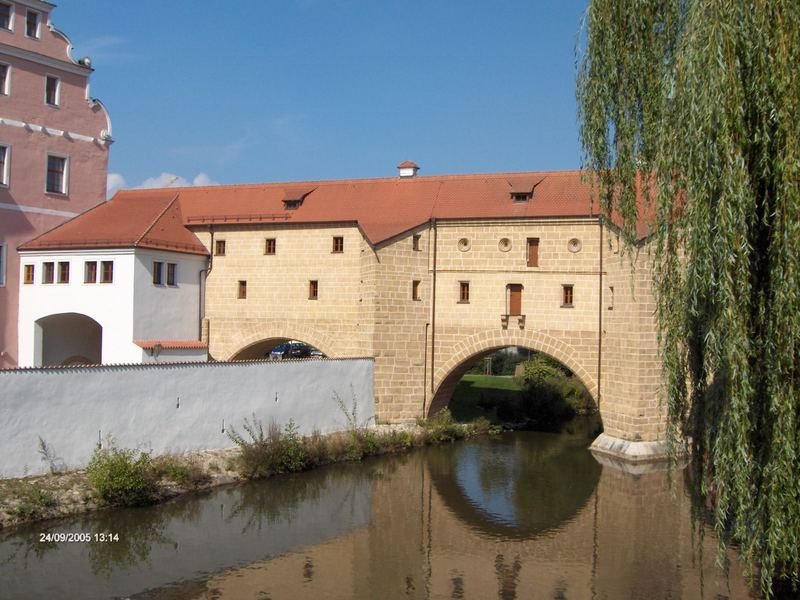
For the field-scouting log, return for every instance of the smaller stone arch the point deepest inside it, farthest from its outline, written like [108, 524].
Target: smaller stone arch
[269, 337]
[476, 346]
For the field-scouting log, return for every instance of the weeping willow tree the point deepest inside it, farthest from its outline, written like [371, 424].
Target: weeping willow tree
[689, 122]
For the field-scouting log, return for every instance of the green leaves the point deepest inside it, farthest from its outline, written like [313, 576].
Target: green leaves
[701, 98]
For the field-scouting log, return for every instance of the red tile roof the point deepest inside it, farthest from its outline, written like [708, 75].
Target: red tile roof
[383, 208]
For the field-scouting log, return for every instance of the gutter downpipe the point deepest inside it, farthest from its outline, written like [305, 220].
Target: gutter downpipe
[202, 276]
[600, 316]
[433, 304]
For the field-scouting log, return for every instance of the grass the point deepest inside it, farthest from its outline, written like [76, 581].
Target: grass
[478, 395]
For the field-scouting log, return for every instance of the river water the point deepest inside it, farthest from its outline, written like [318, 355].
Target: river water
[522, 515]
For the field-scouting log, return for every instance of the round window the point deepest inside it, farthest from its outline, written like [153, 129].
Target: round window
[504, 245]
[574, 245]
[463, 244]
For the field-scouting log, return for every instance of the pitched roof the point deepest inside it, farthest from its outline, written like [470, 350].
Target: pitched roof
[383, 208]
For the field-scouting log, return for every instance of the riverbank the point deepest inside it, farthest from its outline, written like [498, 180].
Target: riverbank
[57, 495]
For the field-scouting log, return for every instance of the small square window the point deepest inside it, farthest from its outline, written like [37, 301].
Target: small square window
[48, 271]
[463, 297]
[5, 70]
[90, 271]
[56, 174]
[158, 273]
[32, 21]
[4, 165]
[313, 289]
[415, 289]
[63, 272]
[269, 246]
[338, 244]
[219, 248]
[172, 269]
[524, 197]
[27, 277]
[107, 271]
[5, 15]
[567, 296]
[242, 294]
[52, 90]
[415, 242]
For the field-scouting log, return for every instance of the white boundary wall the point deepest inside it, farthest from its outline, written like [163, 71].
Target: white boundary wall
[168, 407]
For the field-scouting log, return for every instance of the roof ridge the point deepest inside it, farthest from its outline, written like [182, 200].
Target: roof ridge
[153, 224]
[395, 178]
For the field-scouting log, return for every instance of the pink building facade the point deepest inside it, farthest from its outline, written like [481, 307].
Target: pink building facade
[54, 142]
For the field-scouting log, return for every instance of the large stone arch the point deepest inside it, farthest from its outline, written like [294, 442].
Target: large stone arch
[303, 333]
[468, 350]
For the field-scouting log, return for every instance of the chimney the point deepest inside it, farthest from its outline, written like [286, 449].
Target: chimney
[408, 168]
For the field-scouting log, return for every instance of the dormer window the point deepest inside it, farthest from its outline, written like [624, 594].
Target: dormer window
[522, 189]
[293, 198]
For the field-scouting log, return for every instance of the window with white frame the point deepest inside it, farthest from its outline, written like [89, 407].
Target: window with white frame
[5, 78]
[33, 21]
[56, 174]
[52, 90]
[6, 16]
[2, 264]
[5, 164]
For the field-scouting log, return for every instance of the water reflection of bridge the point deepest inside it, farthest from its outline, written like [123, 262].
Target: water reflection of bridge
[524, 516]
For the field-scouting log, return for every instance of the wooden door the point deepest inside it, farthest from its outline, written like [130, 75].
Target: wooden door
[514, 299]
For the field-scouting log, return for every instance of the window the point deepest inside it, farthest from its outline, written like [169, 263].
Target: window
[158, 273]
[5, 16]
[269, 246]
[611, 297]
[5, 71]
[4, 165]
[242, 293]
[219, 248]
[338, 244]
[107, 271]
[48, 270]
[524, 197]
[463, 297]
[2, 265]
[90, 271]
[56, 174]
[32, 21]
[63, 272]
[415, 242]
[27, 277]
[514, 291]
[533, 252]
[52, 90]
[415, 289]
[172, 269]
[567, 296]
[313, 289]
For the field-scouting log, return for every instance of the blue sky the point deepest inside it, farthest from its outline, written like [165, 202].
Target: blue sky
[273, 90]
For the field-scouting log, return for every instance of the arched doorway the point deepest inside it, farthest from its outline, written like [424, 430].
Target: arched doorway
[288, 348]
[67, 339]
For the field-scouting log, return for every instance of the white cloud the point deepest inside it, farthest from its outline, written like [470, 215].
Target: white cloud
[114, 183]
[172, 180]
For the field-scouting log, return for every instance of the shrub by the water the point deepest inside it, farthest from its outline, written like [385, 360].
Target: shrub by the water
[121, 476]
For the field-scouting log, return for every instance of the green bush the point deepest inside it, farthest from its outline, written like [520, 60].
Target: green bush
[270, 453]
[121, 476]
[442, 428]
[33, 502]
